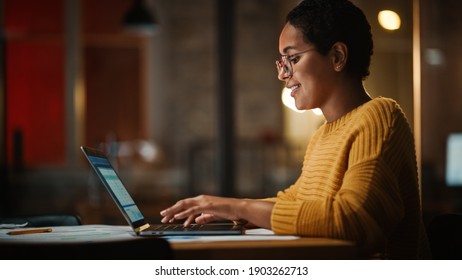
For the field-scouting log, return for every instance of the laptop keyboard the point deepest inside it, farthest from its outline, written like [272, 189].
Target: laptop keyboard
[175, 227]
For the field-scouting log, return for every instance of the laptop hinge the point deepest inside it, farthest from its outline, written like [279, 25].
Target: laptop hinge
[141, 228]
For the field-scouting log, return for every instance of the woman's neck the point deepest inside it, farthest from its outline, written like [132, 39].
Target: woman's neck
[344, 100]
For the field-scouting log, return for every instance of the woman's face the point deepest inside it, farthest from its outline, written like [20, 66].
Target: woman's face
[313, 73]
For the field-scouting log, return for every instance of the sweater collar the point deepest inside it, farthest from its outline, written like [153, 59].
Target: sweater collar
[330, 127]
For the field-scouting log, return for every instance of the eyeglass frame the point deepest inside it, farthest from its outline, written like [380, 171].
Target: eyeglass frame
[282, 66]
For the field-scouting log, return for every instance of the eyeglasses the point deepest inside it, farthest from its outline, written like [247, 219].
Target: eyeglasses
[284, 65]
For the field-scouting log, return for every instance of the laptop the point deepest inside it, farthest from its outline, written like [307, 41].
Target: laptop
[111, 181]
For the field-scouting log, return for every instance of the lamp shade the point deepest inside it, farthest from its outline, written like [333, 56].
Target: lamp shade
[139, 18]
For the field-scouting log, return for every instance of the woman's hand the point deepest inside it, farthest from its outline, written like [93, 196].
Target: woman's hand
[204, 209]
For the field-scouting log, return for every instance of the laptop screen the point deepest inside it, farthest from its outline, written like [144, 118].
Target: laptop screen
[112, 181]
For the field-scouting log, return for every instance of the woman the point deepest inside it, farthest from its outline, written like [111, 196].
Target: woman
[359, 176]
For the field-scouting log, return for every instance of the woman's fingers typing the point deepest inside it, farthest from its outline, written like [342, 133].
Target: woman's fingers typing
[200, 209]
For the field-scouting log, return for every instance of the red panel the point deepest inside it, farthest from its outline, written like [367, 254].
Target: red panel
[32, 16]
[36, 101]
[35, 81]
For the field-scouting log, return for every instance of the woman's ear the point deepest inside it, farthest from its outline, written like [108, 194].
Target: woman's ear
[339, 56]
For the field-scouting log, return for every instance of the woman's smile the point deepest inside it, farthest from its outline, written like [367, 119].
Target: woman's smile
[294, 89]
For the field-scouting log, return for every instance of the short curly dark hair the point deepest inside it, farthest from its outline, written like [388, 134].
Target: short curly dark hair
[325, 22]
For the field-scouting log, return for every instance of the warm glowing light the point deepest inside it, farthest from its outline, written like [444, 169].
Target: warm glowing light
[389, 20]
[317, 112]
[289, 102]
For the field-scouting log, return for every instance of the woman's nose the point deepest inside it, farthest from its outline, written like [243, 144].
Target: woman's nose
[282, 75]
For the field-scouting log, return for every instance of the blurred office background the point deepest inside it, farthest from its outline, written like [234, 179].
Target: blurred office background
[189, 102]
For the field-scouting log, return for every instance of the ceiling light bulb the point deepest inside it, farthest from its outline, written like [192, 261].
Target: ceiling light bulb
[389, 20]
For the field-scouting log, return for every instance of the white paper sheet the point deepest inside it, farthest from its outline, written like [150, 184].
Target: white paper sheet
[85, 233]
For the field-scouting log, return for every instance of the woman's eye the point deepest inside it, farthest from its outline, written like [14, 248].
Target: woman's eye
[294, 59]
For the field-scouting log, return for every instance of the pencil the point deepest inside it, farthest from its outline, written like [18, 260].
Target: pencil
[29, 231]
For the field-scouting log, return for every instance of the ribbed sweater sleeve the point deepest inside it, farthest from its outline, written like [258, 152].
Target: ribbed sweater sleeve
[358, 182]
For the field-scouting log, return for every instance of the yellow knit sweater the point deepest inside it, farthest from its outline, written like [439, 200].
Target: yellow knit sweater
[359, 182]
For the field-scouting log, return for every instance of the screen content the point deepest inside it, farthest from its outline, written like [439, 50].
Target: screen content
[117, 188]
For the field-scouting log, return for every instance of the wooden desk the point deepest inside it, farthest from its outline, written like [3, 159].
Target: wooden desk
[303, 248]
[88, 239]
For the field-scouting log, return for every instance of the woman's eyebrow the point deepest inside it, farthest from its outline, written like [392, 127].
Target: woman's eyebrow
[286, 49]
